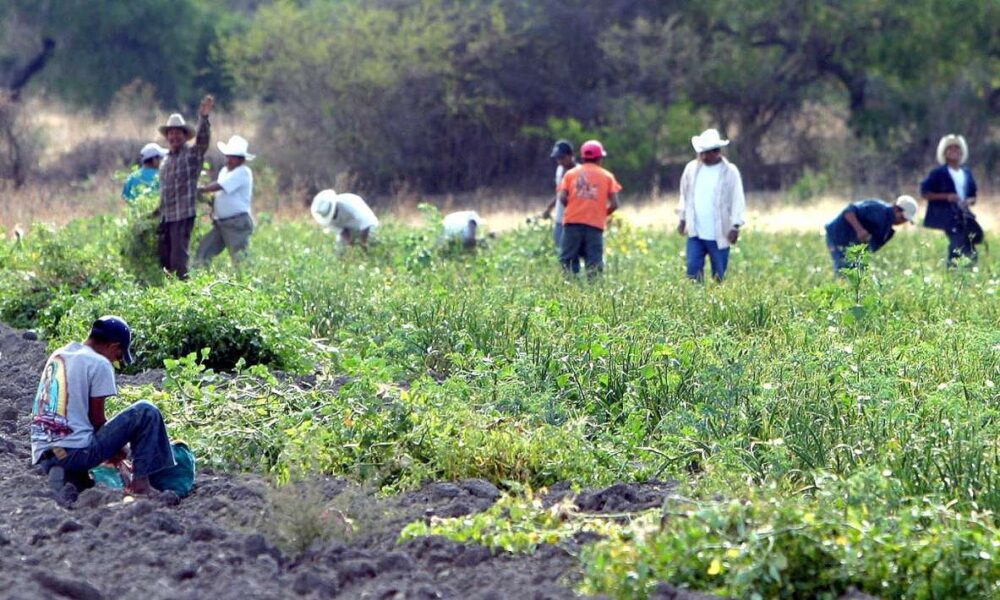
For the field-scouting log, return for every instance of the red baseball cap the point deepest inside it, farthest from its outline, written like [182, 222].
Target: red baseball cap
[592, 149]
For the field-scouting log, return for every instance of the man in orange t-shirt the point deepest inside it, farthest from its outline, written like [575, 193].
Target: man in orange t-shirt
[590, 193]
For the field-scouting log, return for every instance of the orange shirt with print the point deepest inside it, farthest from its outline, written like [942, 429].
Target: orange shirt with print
[588, 188]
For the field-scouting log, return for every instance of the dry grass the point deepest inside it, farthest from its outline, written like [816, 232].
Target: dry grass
[134, 116]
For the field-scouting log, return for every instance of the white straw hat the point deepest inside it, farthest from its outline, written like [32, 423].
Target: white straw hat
[152, 150]
[237, 146]
[708, 140]
[324, 204]
[952, 140]
[909, 206]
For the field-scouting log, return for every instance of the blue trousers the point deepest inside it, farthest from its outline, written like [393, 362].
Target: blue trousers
[140, 426]
[557, 231]
[582, 241]
[696, 251]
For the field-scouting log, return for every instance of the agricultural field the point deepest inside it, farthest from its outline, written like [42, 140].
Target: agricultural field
[813, 435]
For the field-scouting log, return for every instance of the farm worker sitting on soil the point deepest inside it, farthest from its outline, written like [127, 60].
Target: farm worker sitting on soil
[460, 227]
[562, 153]
[232, 221]
[147, 177]
[867, 222]
[711, 206]
[348, 214]
[950, 191]
[589, 193]
[179, 187]
[69, 431]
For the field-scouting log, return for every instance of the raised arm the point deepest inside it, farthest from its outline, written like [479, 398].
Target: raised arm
[204, 132]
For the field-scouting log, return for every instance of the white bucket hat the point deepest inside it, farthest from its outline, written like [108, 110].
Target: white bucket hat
[909, 206]
[176, 121]
[237, 146]
[952, 140]
[708, 140]
[152, 150]
[324, 204]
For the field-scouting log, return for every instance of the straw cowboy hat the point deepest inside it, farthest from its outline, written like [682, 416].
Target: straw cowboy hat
[237, 146]
[952, 140]
[323, 206]
[708, 140]
[176, 121]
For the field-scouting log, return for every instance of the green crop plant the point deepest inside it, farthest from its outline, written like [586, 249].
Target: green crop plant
[409, 363]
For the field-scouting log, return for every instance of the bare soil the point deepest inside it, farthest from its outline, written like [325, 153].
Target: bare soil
[212, 544]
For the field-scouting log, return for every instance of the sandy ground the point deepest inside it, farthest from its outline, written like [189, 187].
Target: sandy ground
[210, 545]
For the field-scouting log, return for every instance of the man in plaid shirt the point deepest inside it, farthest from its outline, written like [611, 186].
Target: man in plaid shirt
[179, 174]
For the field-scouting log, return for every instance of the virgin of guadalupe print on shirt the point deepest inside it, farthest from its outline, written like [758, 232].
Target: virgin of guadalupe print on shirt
[584, 190]
[49, 411]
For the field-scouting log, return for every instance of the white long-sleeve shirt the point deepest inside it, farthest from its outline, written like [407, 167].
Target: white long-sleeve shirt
[729, 206]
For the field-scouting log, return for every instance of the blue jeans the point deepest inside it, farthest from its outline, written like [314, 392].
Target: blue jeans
[582, 241]
[141, 426]
[557, 232]
[696, 250]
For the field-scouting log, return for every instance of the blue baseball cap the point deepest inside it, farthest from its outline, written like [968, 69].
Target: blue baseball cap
[110, 328]
[561, 148]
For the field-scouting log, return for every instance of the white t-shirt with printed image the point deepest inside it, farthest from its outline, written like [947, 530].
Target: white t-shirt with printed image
[60, 414]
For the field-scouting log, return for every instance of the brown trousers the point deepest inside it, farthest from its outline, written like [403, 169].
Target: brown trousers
[174, 240]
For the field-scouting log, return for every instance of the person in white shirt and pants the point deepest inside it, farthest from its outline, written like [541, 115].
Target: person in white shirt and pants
[461, 227]
[348, 214]
[711, 206]
[232, 221]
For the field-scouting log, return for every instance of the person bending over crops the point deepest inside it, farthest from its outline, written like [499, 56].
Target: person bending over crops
[69, 431]
[589, 194]
[562, 153]
[950, 191]
[460, 227]
[868, 222]
[711, 206]
[348, 214]
[147, 177]
[232, 220]
[179, 187]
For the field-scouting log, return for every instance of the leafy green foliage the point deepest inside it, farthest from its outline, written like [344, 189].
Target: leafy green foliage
[770, 389]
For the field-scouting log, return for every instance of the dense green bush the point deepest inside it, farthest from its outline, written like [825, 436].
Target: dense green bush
[237, 324]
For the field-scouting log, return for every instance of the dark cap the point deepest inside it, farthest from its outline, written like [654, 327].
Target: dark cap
[114, 329]
[561, 148]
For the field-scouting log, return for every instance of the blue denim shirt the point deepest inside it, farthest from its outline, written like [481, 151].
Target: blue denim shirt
[876, 216]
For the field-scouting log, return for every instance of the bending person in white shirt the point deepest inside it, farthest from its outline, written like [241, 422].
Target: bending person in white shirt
[232, 221]
[348, 214]
[711, 206]
[461, 227]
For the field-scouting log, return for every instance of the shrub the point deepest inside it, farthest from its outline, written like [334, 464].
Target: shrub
[237, 324]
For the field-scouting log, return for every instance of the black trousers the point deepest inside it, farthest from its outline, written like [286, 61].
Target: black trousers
[174, 241]
[963, 236]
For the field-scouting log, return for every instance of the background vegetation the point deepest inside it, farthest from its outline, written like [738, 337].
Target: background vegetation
[439, 95]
